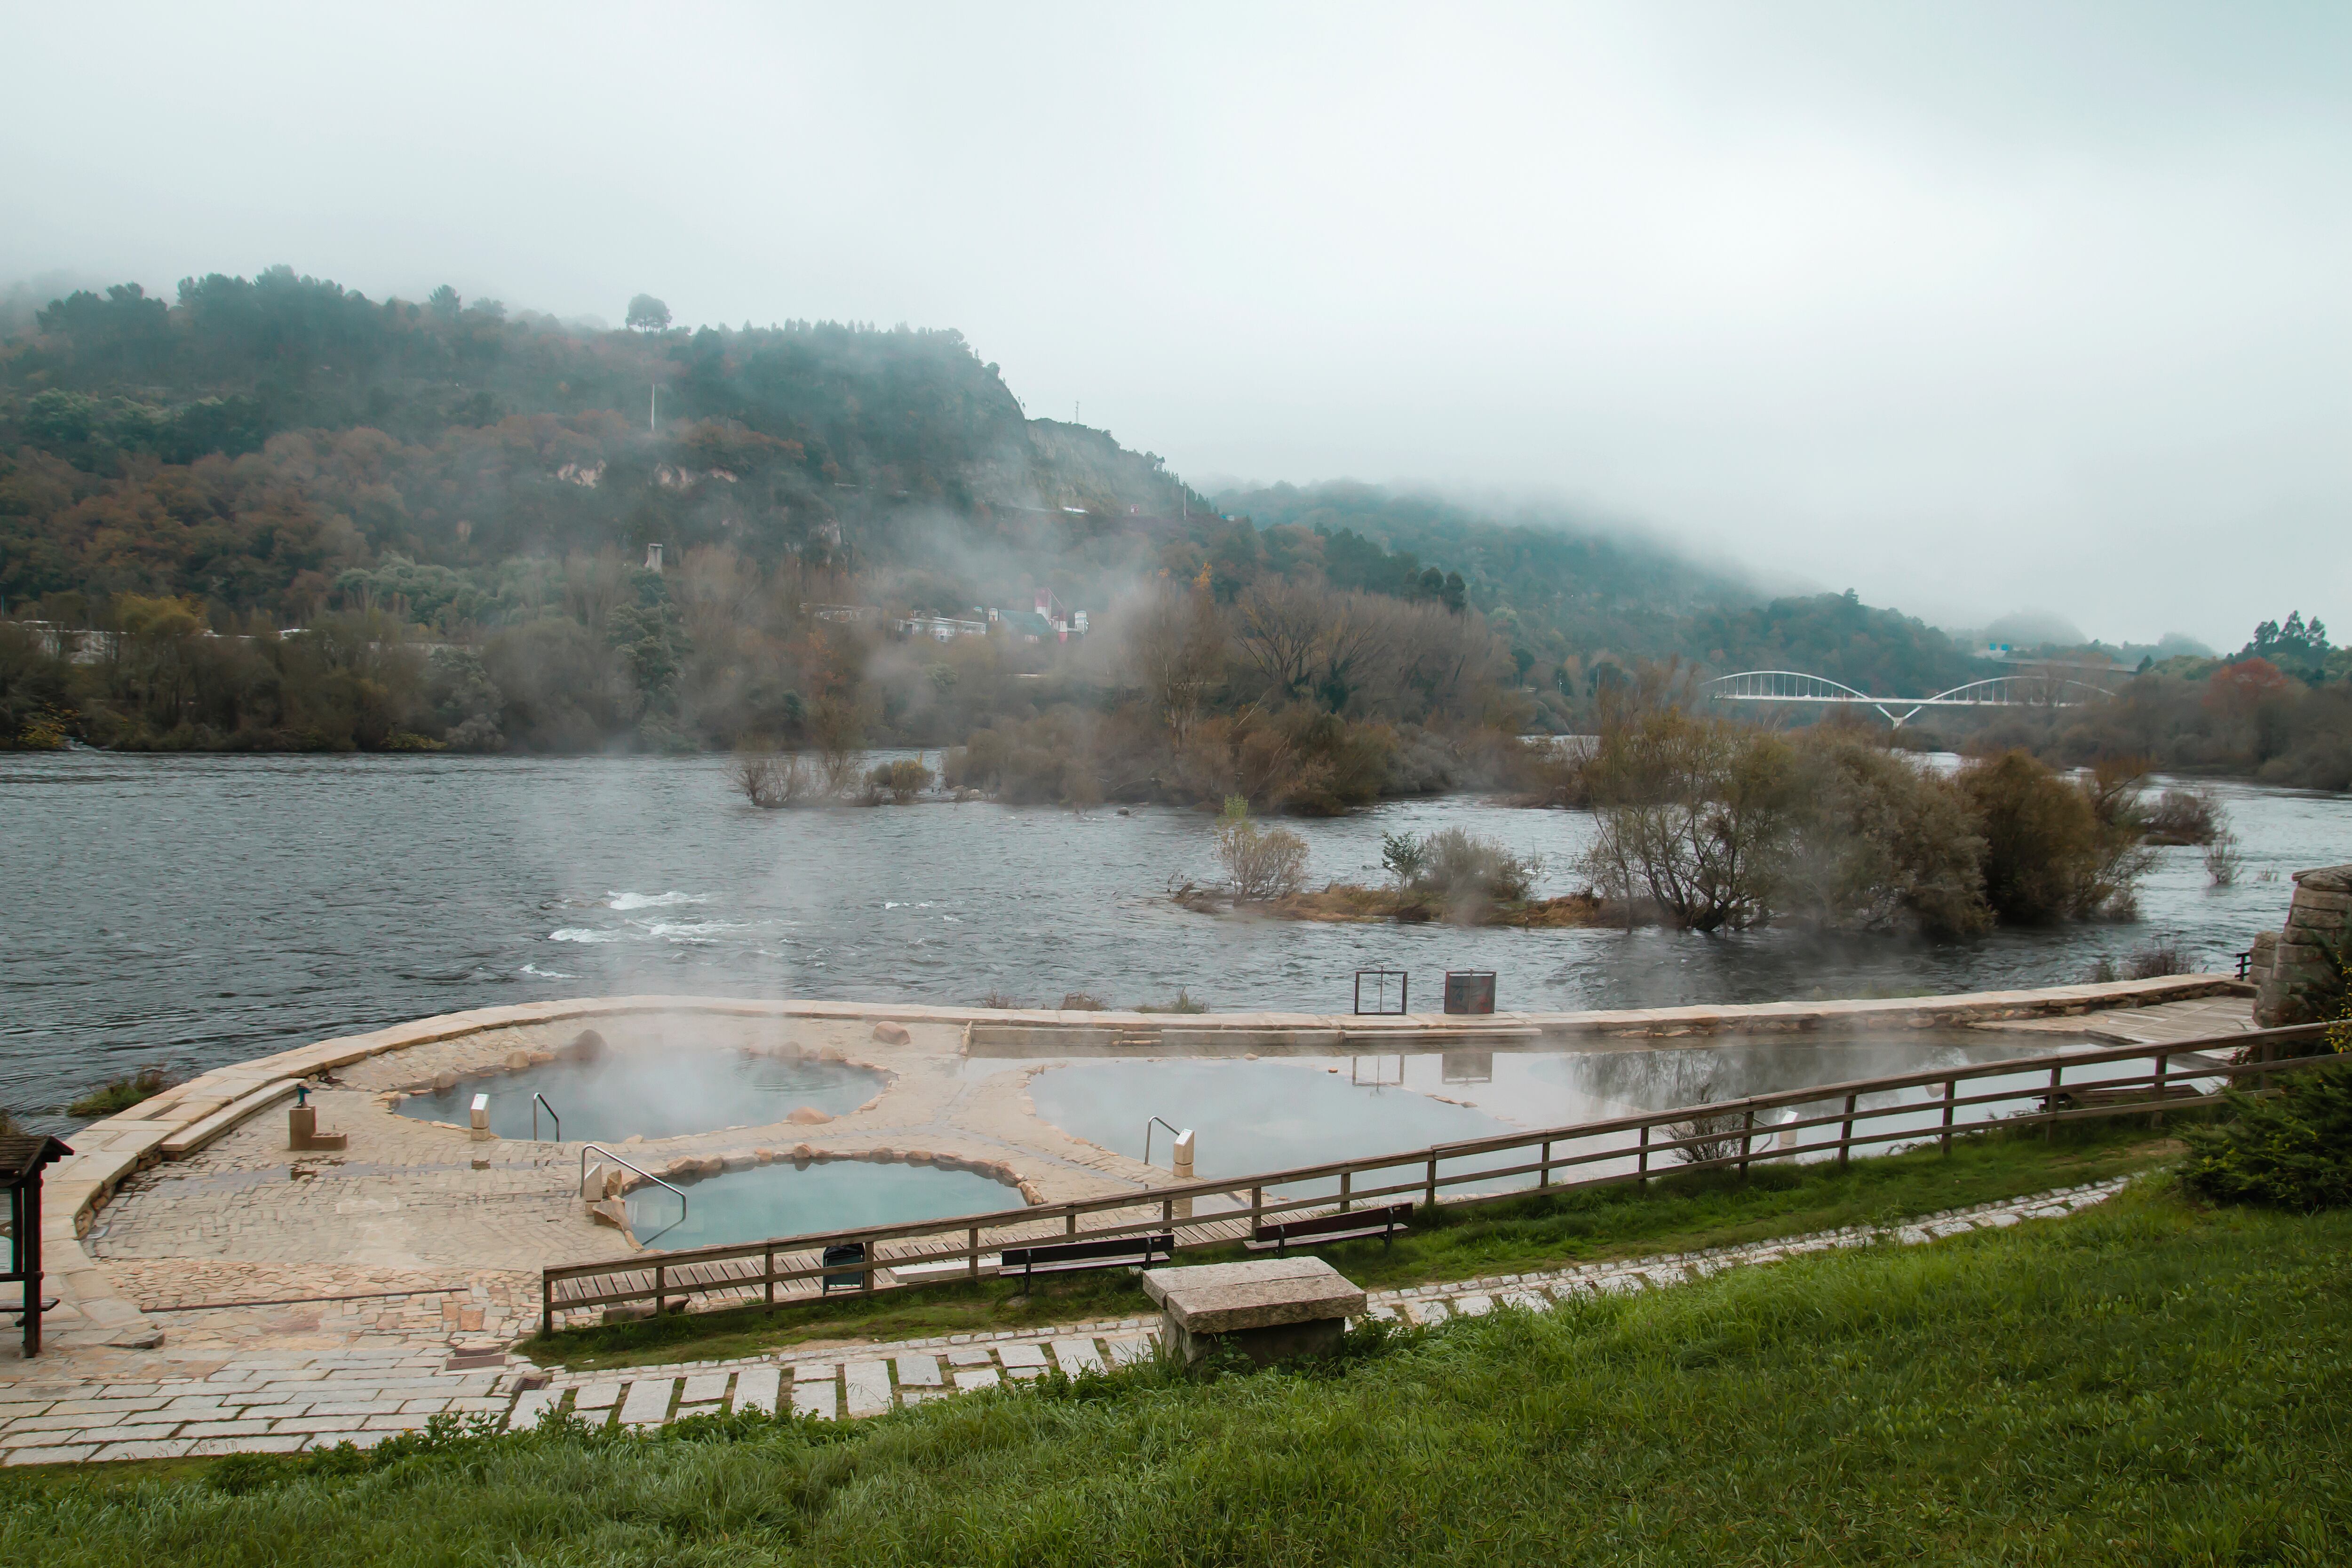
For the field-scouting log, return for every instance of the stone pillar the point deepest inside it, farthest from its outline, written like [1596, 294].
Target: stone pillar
[2292, 964]
[482, 1134]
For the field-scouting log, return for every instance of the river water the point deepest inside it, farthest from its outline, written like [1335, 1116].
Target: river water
[195, 910]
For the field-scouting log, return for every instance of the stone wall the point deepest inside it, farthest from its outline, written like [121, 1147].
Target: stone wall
[2290, 963]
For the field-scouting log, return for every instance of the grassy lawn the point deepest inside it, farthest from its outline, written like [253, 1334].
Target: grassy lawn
[2149, 1382]
[1676, 1214]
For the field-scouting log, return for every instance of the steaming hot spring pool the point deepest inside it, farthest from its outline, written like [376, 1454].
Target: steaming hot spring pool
[653, 1092]
[781, 1200]
[1290, 1111]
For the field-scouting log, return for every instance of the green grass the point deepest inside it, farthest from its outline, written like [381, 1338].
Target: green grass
[1678, 1213]
[121, 1094]
[2147, 1383]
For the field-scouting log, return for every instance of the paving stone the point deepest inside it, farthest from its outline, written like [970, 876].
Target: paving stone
[316, 1425]
[171, 1449]
[528, 1405]
[969, 1378]
[919, 1372]
[1421, 1311]
[704, 1388]
[598, 1396]
[1129, 1349]
[1526, 1301]
[270, 1443]
[865, 1387]
[818, 1398]
[1075, 1356]
[1022, 1360]
[648, 1401]
[65, 1454]
[60, 1423]
[756, 1388]
[1473, 1305]
[249, 1428]
[969, 1355]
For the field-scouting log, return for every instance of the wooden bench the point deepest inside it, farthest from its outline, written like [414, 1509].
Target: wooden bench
[1353, 1224]
[1068, 1257]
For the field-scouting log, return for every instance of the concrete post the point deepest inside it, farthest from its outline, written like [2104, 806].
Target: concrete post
[1183, 1165]
[482, 1134]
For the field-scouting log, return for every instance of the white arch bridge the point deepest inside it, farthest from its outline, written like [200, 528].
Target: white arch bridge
[2024, 691]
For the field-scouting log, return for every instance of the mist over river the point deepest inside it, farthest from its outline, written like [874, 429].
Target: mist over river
[195, 910]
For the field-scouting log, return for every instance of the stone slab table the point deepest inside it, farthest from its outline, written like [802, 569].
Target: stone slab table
[1276, 1308]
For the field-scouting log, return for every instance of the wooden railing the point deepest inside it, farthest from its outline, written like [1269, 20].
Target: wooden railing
[1724, 1134]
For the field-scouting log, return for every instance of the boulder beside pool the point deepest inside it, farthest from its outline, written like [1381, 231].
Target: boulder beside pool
[1275, 1308]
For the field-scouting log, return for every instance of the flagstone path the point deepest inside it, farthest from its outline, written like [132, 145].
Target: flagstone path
[154, 1405]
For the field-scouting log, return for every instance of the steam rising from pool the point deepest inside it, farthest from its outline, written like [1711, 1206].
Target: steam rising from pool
[655, 1091]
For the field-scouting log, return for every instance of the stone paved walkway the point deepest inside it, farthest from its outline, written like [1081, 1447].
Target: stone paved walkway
[280, 1401]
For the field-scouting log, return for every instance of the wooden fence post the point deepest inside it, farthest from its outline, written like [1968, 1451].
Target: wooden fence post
[1746, 1135]
[661, 1294]
[1846, 1134]
[1641, 1167]
[1257, 1204]
[1346, 1185]
[1543, 1175]
[768, 1267]
[1433, 1181]
[546, 1304]
[2163, 1070]
[2050, 1126]
[973, 1237]
[1951, 1086]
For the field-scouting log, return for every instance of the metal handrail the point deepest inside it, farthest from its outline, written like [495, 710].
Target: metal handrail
[1147, 1135]
[538, 1100]
[585, 1149]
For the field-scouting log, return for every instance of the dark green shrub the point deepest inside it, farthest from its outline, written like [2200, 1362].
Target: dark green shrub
[2293, 1149]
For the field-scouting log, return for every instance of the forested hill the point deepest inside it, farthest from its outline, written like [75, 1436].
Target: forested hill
[254, 439]
[269, 450]
[1579, 598]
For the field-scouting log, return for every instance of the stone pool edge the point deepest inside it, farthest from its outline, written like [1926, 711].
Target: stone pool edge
[185, 1117]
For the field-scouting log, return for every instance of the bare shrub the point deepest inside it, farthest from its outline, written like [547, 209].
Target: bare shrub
[1693, 814]
[771, 782]
[2159, 959]
[840, 734]
[2184, 816]
[2224, 859]
[1460, 869]
[1083, 1002]
[902, 781]
[1260, 863]
[1712, 1136]
[999, 999]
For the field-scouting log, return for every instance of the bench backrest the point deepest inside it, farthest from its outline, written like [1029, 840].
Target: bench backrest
[1395, 1216]
[1163, 1244]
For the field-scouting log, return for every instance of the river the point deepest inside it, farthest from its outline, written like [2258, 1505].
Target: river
[195, 910]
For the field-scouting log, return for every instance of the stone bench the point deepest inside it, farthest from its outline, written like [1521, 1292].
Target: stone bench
[1276, 1308]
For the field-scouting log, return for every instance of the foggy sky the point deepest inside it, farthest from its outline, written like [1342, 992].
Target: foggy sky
[1968, 308]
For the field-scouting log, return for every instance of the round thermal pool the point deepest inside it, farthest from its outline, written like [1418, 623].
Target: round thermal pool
[654, 1093]
[783, 1200]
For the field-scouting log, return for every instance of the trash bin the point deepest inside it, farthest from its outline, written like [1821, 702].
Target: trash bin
[1469, 990]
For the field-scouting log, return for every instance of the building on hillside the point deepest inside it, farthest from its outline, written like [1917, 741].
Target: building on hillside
[939, 628]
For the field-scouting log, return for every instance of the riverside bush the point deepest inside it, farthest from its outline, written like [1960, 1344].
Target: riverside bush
[1260, 863]
[2292, 1150]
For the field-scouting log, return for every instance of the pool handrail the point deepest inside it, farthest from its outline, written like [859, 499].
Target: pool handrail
[538, 1100]
[1147, 1136]
[598, 1148]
